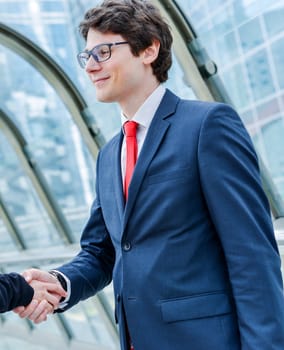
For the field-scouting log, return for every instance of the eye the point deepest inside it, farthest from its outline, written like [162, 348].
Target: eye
[103, 51]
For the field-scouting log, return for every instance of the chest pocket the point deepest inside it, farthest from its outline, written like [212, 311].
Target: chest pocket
[180, 175]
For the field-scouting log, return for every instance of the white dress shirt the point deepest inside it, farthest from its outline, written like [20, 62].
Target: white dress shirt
[143, 117]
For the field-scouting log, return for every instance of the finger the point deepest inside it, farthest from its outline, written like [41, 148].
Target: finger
[19, 309]
[28, 310]
[27, 275]
[56, 288]
[49, 291]
[53, 299]
[41, 318]
[40, 313]
[31, 274]
[36, 274]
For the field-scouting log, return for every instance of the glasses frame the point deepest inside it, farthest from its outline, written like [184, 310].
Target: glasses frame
[93, 53]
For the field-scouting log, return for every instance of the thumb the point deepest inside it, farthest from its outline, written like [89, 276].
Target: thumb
[27, 276]
[36, 274]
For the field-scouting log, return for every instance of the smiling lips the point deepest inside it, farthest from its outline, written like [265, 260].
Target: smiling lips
[100, 80]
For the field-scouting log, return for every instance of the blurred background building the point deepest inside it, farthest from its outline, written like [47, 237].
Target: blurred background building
[51, 128]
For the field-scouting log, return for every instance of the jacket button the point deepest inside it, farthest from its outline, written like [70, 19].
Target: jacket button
[126, 246]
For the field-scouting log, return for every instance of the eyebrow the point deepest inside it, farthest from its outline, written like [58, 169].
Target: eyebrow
[88, 50]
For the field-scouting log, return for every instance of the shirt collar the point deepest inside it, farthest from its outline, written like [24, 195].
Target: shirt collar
[147, 110]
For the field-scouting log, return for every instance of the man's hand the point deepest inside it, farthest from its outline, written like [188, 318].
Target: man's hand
[47, 294]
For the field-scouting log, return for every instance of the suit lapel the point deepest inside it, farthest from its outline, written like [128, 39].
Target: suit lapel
[117, 178]
[155, 135]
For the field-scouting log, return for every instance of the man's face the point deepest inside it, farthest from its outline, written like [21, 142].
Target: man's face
[120, 78]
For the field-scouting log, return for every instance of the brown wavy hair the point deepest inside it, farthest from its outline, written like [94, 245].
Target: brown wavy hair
[139, 22]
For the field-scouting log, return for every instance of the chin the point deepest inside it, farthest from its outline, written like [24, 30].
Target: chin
[104, 98]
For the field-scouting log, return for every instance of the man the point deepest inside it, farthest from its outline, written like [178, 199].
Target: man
[191, 250]
[15, 291]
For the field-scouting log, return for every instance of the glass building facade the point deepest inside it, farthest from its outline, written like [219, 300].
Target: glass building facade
[246, 40]
[51, 127]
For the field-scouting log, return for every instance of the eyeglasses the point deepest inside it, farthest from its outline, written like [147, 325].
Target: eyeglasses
[100, 53]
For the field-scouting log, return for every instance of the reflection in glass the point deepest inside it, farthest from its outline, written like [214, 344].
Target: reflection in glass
[246, 40]
[22, 201]
[278, 60]
[53, 138]
[274, 156]
[260, 78]
[249, 42]
[6, 242]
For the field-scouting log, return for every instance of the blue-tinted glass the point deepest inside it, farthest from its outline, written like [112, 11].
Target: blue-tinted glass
[223, 21]
[232, 78]
[22, 202]
[6, 242]
[53, 138]
[8, 7]
[272, 139]
[27, 30]
[277, 49]
[239, 12]
[260, 79]
[268, 109]
[214, 4]
[176, 82]
[225, 50]
[198, 12]
[250, 35]
[273, 20]
[60, 49]
[52, 5]
[245, 39]
[247, 117]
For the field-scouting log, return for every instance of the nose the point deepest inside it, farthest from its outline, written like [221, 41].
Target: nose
[92, 65]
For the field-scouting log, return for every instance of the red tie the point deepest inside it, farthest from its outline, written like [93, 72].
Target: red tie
[130, 128]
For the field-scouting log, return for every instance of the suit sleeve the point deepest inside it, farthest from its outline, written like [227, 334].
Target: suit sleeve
[240, 213]
[91, 270]
[14, 291]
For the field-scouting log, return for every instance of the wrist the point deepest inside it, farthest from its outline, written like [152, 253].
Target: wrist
[60, 279]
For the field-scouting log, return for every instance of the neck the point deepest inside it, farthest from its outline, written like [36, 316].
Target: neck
[135, 102]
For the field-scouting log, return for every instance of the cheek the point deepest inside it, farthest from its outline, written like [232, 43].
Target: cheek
[132, 75]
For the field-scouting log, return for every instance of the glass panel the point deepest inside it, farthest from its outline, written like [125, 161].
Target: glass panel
[259, 75]
[269, 137]
[246, 40]
[86, 324]
[53, 138]
[249, 42]
[6, 242]
[273, 19]
[23, 203]
[278, 60]
[52, 6]
[232, 76]
[176, 82]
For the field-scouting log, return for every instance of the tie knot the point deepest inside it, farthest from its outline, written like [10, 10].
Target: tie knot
[130, 128]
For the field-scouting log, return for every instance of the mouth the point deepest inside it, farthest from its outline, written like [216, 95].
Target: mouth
[99, 81]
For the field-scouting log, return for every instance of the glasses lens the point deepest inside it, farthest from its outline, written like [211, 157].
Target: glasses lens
[101, 52]
[83, 59]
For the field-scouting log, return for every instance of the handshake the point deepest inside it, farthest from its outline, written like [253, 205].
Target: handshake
[48, 292]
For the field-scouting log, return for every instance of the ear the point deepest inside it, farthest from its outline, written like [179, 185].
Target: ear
[151, 52]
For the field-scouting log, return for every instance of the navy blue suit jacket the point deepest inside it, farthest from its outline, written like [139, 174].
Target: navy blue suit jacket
[192, 254]
[14, 291]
